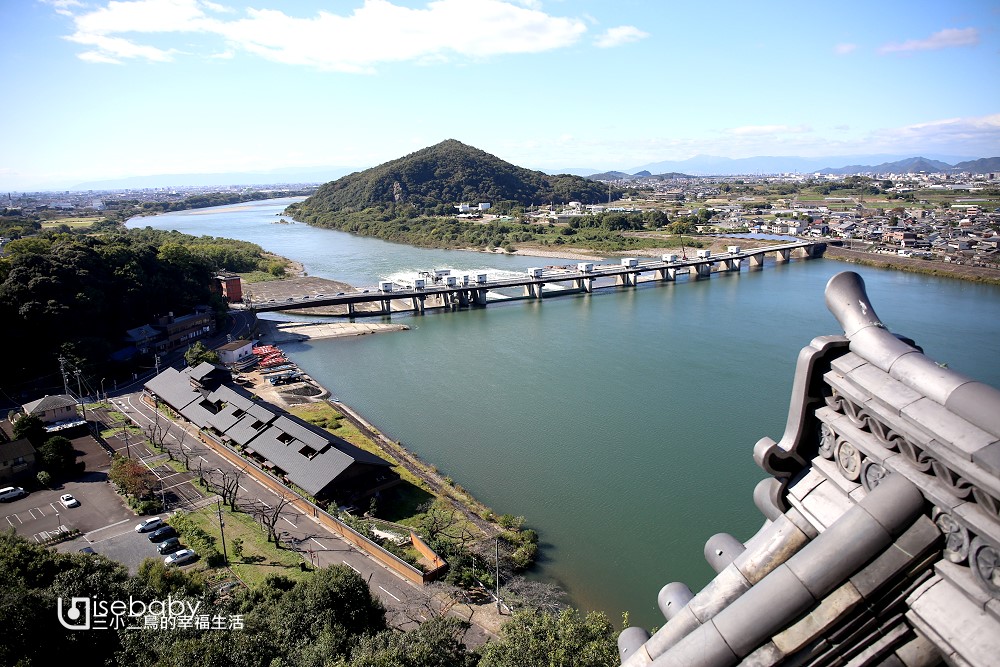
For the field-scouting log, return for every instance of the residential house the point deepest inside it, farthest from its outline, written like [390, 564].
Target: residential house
[17, 459]
[234, 352]
[53, 409]
[169, 332]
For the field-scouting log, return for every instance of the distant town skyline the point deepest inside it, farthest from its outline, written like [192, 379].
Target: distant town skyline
[101, 90]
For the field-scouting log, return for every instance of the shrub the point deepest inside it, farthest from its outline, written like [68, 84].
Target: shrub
[144, 507]
[524, 556]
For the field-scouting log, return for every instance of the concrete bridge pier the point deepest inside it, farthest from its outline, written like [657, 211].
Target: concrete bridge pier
[387, 307]
[733, 263]
[666, 274]
[704, 270]
[533, 290]
[584, 284]
[418, 304]
[350, 309]
[782, 255]
[463, 298]
[757, 261]
[479, 297]
[625, 280]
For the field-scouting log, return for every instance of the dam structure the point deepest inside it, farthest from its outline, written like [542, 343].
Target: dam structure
[880, 543]
[441, 289]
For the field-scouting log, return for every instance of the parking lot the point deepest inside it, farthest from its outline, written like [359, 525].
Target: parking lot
[40, 513]
[119, 542]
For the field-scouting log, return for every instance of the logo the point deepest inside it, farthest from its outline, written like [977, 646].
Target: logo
[80, 613]
[76, 615]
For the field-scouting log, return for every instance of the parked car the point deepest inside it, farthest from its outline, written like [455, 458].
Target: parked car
[162, 533]
[149, 524]
[180, 557]
[8, 493]
[169, 545]
[68, 500]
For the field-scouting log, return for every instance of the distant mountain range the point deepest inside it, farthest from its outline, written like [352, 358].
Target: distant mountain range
[289, 175]
[708, 165]
[700, 165]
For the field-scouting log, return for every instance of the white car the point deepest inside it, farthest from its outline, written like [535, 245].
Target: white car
[180, 557]
[68, 500]
[149, 524]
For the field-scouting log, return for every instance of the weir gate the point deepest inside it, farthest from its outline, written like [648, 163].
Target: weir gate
[442, 290]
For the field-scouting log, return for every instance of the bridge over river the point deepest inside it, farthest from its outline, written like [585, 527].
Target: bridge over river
[443, 290]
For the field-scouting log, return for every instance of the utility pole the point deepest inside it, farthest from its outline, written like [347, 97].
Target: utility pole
[79, 393]
[128, 451]
[62, 371]
[222, 532]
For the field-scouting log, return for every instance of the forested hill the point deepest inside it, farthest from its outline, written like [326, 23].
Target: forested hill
[433, 180]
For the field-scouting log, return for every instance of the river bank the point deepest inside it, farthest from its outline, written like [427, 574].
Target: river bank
[978, 274]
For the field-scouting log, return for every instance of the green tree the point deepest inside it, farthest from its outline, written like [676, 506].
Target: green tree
[31, 427]
[319, 618]
[57, 455]
[539, 639]
[198, 353]
[435, 643]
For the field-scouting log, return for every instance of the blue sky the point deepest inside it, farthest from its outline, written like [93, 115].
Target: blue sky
[134, 87]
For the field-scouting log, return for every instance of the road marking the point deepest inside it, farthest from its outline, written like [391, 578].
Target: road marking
[32, 512]
[174, 486]
[286, 519]
[203, 458]
[244, 488]
[11, 522]
[110, 525]
[358, 571]
[386, 592]
[263, 503]
[319, 543]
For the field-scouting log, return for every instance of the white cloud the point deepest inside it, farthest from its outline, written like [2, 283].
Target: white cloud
[114, 49]
[62, 6]
[844, 48]
[147, 16]
[980, 133]
[750, 130]
[623, 34]
[944, 39]
[376, 32]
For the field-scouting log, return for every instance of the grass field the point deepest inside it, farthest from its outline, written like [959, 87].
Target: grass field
[75, 223]
[259, 559]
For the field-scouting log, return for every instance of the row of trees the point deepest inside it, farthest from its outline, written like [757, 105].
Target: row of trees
[330, 619]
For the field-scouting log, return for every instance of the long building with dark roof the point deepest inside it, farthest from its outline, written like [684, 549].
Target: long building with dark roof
[318, 462]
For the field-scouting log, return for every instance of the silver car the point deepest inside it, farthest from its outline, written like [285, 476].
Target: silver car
[180, 557]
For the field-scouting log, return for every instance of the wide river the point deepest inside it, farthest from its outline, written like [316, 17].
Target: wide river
[620, 424]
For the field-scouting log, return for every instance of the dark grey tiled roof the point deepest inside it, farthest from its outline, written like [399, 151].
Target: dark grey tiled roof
[174, 388]
[241, 413]
[49, 403]
[311, 457]
[12, 450]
